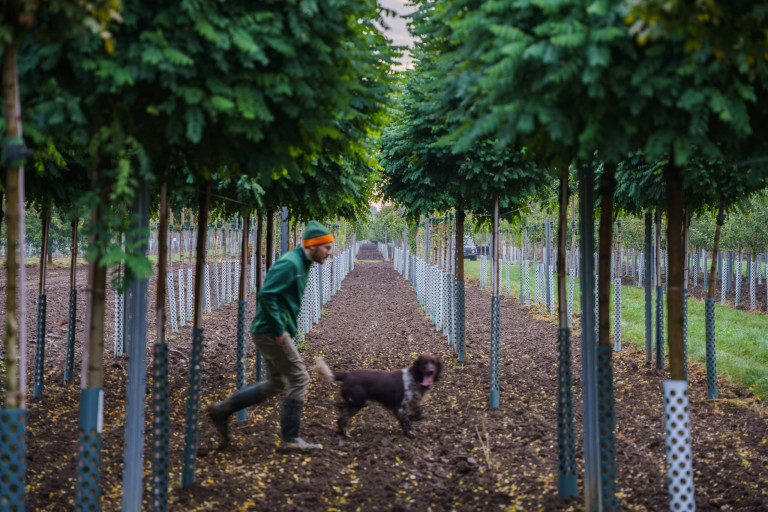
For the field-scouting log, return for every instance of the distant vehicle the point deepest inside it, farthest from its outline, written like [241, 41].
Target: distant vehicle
[470, 249]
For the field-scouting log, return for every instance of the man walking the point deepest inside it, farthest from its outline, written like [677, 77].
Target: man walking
[273, 327]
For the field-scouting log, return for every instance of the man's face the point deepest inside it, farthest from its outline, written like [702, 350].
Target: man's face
[319, 253]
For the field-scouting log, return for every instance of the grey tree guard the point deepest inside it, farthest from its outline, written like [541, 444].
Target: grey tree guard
[588, 342]
[136, 339]
[283, 230]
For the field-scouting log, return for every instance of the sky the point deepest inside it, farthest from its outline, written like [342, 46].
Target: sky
[397, 30]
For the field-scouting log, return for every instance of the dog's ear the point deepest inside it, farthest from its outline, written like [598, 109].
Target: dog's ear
[439, 365]
[417, 368]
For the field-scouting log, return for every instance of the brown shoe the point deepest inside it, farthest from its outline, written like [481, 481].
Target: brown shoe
[220, 420]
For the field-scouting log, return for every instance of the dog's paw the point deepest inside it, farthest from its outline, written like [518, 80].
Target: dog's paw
[410, 433]
[343, 432]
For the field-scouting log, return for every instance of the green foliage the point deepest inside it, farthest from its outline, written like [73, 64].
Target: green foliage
[423, 169]
[387, 223]
[747, 224]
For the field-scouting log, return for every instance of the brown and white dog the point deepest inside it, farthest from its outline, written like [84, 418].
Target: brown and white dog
[400, 391]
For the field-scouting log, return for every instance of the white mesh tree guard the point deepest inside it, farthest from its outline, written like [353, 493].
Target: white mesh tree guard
[677, 422]
[182, 301]
[172, 304]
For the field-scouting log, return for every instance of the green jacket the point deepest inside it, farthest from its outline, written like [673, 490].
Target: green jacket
[279, 301]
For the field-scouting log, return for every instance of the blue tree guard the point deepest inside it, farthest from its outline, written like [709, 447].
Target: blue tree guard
[40, 346]
[193, 409]
[160, 428]
[709, 324]
[13, 454]
[69, 364]
[659, 328]
[88, 488]
[216, 293]
[566, 445]
[241, 353]
[495, 351]
[606, 422]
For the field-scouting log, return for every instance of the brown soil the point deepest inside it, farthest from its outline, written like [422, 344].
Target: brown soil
[465, 456]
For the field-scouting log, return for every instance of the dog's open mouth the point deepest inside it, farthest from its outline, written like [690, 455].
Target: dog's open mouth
[427, 381]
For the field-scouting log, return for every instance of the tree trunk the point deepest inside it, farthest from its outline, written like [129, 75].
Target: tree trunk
[44, 249]
[270, 237]
[562, 236]
[15, 327]
[169, 240]
[657, 217]
[162, 249]
[715, 247]
[495, 250]
[244, 257]
[607, 186]
[573, 233]
[686, 245]
[93, 356]
[204, 201]
[73, 257]
[259, 233]
[675, 221]
[460, 245]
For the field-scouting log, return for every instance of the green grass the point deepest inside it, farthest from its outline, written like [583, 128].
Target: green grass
[741, 337]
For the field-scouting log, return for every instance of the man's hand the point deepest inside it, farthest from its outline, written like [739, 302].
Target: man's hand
[280, 339]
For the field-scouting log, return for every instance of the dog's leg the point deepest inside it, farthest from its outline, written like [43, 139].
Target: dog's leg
[402, 417]
[346, 411]
[417, 415]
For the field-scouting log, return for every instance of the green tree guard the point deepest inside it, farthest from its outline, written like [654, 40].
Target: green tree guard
[193, 409]
[606, 422]
[659, 328]
[460, 319]
[567, 484]
[709, 325]
[241, 352]
[13, 453]
[69, 360]
[685, 331]
[495, 350]
[160, 428]
[40, 346]
[88, 487]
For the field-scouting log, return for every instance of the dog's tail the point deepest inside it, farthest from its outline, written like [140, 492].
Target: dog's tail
[326, 372]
